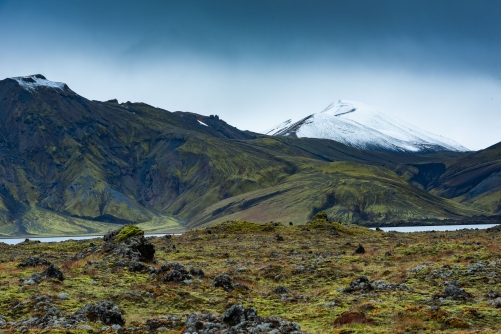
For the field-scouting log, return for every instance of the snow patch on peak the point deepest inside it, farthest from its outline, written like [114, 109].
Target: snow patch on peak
[32, 82]
[365, 127]
[201, 123]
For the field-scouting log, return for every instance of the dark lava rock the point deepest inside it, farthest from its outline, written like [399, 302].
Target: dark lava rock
[169, 322]
[136, 248]
[53, 272]
[32, 241]
[360, 249]
[223, 281]
[281, 289]
[360, 284]
[106, 312]
[136, 266]
[174, 272]
[197, 272]
[453, 290]
[495, 302]
[492, 295]
[53, 318]
[238, 319]
[237, 314]
[34, 261]
[278, 237]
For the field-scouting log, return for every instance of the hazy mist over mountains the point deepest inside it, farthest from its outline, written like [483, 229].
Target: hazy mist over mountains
[433, 64]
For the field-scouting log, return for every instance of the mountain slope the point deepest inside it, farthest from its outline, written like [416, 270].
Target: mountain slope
[70, 165]
[365, 127]
[346, 191]
[474, 180]
[116, 163]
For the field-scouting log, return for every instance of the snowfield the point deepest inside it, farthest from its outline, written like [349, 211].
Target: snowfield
[358, 125]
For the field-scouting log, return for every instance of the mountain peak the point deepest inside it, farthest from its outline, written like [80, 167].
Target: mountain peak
[365, 127]
[32, 82]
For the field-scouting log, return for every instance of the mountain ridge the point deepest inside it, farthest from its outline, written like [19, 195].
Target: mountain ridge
[71, 164]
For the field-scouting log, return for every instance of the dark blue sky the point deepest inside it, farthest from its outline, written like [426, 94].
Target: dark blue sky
[255, 63]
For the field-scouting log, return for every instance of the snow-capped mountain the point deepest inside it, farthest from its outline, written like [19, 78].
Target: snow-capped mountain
[32, 82]
[358, 125]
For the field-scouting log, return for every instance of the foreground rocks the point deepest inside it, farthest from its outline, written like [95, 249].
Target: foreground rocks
[453, 290]
[217, 282]
[34, 262]
[238, 319]
[52, 272]
[106, 312]
[129, 242]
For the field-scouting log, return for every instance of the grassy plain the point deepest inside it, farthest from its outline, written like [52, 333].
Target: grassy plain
[315, 262]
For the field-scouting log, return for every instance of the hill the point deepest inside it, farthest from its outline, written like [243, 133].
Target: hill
[69, 165]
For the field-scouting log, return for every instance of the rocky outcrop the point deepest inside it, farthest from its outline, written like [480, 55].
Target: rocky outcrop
[238, 319]
[34, 262]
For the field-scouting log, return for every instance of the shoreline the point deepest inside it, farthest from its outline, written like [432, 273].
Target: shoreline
[90, 236]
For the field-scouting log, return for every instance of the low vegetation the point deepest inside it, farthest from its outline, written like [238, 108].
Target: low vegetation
[320, 277]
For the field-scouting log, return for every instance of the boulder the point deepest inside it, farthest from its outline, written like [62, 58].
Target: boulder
[34, 262]
[106, 312]
[223, 281]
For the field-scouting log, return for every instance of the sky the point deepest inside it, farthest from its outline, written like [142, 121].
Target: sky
[256, 63]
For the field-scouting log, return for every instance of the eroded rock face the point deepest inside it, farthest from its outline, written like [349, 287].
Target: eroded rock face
[238, 319]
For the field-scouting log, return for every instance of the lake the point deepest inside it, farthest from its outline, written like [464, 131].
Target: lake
[435, 228]
[13, 241]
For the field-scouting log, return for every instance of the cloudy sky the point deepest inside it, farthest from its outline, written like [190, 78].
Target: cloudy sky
[436, 64]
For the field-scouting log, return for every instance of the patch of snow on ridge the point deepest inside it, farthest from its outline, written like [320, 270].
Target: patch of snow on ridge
[202, 123]
[32, 82]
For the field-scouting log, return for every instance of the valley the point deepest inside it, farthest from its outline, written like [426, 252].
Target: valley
[71, 166]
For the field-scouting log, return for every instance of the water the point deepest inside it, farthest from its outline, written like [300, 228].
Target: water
[435, 228]
[13, 241]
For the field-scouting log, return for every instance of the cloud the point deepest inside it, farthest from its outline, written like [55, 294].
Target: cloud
[257, 63]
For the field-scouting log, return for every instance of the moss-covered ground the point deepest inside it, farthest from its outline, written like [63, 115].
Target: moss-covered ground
[314, 261]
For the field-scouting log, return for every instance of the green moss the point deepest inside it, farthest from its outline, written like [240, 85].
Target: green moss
[127, 232]
[243, 226]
